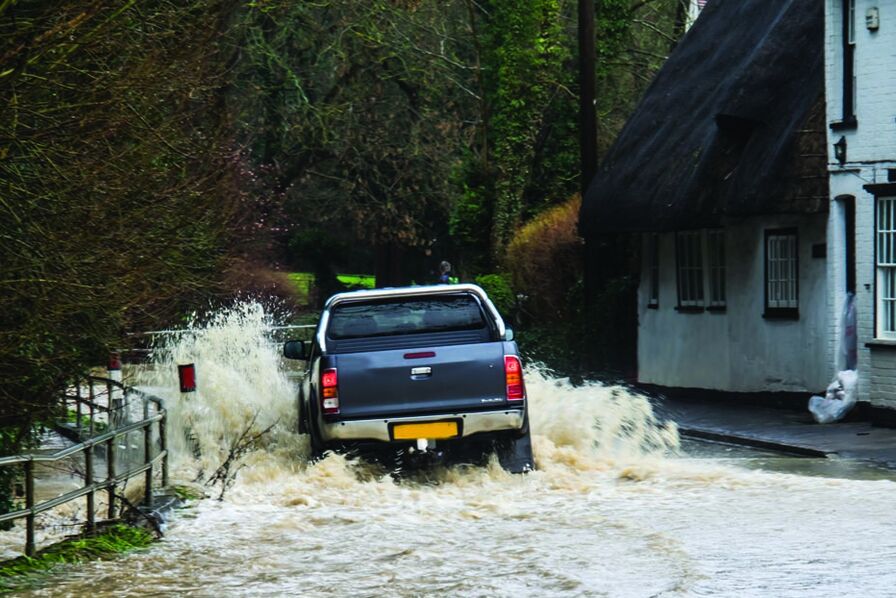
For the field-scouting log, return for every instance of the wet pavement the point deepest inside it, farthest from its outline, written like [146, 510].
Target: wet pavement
[765, 460]
[780, 429]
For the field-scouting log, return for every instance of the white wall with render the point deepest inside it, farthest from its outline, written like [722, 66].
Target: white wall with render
[739, 350]
[695, 7]
[871, 150]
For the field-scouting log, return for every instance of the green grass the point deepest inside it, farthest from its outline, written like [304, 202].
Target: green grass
[368, 281]
[303, 281]
[113, 541]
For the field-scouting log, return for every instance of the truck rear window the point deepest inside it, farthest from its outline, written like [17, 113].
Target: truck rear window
[391, 317]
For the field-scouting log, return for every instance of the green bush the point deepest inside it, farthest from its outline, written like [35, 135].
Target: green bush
[500, 292]
[545, 260]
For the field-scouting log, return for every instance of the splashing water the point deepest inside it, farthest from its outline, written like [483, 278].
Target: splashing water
[243, 390]
[609, 511]
[593, 425]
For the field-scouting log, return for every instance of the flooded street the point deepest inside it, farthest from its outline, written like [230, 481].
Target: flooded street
[656, 527]
[618, 507]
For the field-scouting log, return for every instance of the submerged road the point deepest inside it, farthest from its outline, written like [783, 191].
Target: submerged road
[709, 520]
[616, 508]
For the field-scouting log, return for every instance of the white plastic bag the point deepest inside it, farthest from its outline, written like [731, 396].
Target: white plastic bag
[848, 350]
[840, 398]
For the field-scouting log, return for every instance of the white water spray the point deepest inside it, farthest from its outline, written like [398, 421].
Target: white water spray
[243, 389]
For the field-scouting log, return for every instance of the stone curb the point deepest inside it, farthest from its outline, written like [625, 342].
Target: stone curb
[729, 438]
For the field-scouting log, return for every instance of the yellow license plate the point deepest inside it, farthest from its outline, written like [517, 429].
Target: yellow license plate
[427, 430]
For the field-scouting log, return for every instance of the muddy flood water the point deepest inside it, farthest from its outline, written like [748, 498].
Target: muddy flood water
[617, 506]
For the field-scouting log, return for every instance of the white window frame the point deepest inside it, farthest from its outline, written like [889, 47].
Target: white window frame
[885, 267]
[689, 268]
[782, 273]
[850, 21]
[716, 271]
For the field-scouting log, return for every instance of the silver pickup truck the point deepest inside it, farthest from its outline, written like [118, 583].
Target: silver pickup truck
[427, 369]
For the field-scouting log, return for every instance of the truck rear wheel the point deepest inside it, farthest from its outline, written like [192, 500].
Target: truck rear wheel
[318, 447]
[303, 425]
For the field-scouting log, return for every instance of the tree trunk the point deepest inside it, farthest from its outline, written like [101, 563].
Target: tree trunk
[388, 268]
[587, 117]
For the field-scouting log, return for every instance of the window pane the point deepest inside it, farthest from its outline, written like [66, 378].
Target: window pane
[851, 25]
[698, 267]
[782, 272]
[888, 299]
[715, 242]
[405, 316]
[690, 270]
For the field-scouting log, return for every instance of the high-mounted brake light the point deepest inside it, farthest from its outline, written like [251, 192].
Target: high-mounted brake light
[513, 377]
[329, 391]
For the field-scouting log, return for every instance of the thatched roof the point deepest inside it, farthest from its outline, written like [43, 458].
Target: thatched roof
[732, 125]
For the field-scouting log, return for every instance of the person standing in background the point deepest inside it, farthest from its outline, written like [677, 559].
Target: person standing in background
[444, 272]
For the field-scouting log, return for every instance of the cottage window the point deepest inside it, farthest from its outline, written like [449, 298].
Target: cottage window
[781, 273]
[851, 21]
[715, 246]
[848, 36]
[886, 267]
[689, 255]
[653, 256]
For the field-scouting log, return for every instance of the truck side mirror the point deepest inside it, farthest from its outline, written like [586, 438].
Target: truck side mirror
[294, 350]
[508, 334]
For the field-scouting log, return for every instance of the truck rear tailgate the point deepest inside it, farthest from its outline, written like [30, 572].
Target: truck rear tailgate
[443, 379]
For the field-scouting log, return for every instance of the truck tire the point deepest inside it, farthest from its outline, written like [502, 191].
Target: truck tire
[303, 423]
[515, 453]
[318, 448]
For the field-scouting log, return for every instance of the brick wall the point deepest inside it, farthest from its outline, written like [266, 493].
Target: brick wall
[871, 149]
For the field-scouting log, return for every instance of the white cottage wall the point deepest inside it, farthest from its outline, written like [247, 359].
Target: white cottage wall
[738, 350]
[870, 152]
[675, 348]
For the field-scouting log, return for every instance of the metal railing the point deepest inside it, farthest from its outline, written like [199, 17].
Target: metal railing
[136, 354]
[103, 424]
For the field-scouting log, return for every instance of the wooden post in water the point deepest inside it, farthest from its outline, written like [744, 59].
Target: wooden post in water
[110, 474]
[90, 406]
[163, 445]
[29, 504]
[112, 406]
[587, 116]
[116, 396]
[77, 406]
[91, 495]
[147, 454]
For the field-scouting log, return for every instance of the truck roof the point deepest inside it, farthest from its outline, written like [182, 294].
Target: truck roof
[415, 291]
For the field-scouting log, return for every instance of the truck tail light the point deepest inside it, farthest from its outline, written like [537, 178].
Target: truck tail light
[329, 391]
[513, 377]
